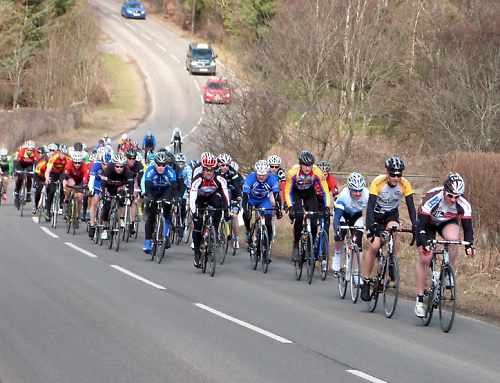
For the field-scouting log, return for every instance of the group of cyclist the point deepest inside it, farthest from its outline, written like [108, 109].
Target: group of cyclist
[149, 176]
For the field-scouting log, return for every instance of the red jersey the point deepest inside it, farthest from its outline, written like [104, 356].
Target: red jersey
[77, 173]
[26, 159]
[57, 162]
[41, 168]
[332, 186]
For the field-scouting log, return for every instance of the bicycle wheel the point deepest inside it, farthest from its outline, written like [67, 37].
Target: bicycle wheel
[152, 255]
[187, 225]
[355, 273]
[126, 230]
[309, 257]
[428, 300]
[391, 285]
[448, 297]
[74, 215]
[265, 250]
[117, 229]
[254, 250]
[22, 196]
[213, 247]
[297, 265]
[41, 205]
[223, 242]
[55, 208]
[160, 238]
[344, 271]
[178, 228]
[324, 256]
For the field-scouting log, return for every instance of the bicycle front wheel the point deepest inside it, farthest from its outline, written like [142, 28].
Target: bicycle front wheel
[160, 238]
[254, 251]
[74, 216]
[213, 247]
[265, 250]
[324, 256]
[391, 285]
[116, 229]
[448, 297]
[428, 300]
[344, 271]
[223, 242]
[309, 257]
[355, 273]
[55, 209]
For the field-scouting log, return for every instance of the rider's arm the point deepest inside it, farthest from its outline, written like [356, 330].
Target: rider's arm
[154, 141]
[411, 209]
[172, 139]
[468, 232]
[180, 135]
[370, 210]
[244, 203]
[338, 212]
[423, 221]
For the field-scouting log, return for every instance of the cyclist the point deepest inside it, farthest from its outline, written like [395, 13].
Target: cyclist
[5, 170]
[207, 188]
[24, 161]
[234, 181]
[180, 162]
[137, 170]
[55, 172]
[106, 139]
[116, 176]
[349, 207]
[78, 147]
[277, 171]
[439, 213]
[300, 185]
[39, 178]
[260, 190]
[124, 144]
[75, 174]
[160, 182]
[100, 144]
[177, 137]
[96, 171]
[149, 143]
[385, 193]
[332, 187]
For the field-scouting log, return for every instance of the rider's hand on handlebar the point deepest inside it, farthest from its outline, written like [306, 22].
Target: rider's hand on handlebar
[470, 251]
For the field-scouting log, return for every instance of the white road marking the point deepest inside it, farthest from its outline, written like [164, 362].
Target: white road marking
[196, 83]
[176, 59]
[366, 376]
[129, 273]
[35, 219]
[145, 36]
[49, 232]
[159, 46]
[194, 128]
[199, 121]
[186, 135]
[130, 26]
[116, 17]
[201, 98]
[81, 250]
[244, 324]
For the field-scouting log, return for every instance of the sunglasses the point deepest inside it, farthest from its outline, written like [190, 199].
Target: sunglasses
[356, 191]
[76, 163]
[118, 166]
[131, 158]
[274, 167]
[393, 174]
[224, 165]
[161, 166]
[451, 196]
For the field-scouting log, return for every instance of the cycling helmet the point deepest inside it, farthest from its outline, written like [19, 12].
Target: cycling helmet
[149, 134]
[120, 159]
[224, 159]
[131, 153]
[152, 156]
[41, 151]
[29, 145]
[135, 143]
[206, 155]
[92, 157]
[356, 182]
[177, 130]
[162, 150]
[78, 146]
[454, 184]
[64, 149]
[324, 166]
[57, 145]
[124, 136]
[101, 142]
[262, 167]
[52, 147]
[180, 158]
[139, 157]
[193, 163]
[170, 158]
[106, 158]
[235, 166]
[306, 158]
[3, 152]
[77, 157]
[209, 163]
[395, 164]
[84, 146]
[101, 150]
[161, 159]
[274, 160]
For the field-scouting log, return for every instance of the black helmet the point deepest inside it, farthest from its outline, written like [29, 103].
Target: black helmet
[454, 184]
[306, 158]
[170, 158]
[395, 164]
[131, 153]
[324, 166]
[161, 159]
[78, 145]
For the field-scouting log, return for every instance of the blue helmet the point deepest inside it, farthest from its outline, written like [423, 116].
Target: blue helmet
[106, 158]
[193, 163]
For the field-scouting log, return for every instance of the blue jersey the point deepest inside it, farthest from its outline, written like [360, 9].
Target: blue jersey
[187, 174]
[259, 191]
[159, 181]
[95, 175]
[149, 141]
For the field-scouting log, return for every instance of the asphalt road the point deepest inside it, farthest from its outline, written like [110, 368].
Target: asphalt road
[73, 311]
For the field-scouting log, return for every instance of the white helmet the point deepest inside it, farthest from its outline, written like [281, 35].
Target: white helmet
[77, 157]
[262, 167]
[224, 159]
[235, 166]
[124, 136]
[3, 152]
[206, 155]
[101, 150]
[177, 130]
[274, 160]
[356, 182]
[120, 159]
[29, 144]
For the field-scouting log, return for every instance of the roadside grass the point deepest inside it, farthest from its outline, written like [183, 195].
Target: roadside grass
[124, 96]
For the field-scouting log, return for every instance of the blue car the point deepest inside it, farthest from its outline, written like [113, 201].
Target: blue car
[134, 10]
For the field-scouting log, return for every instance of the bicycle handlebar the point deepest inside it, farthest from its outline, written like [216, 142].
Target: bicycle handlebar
[442, 242]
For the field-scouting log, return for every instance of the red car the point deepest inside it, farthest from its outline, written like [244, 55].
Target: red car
[217, 90]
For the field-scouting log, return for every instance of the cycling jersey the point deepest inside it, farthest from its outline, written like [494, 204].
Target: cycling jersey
[176, 137]
[160, 181]
[6, 165]
[149, 142]
[259, 191]
[234, 182]
[295, 179]
[57, 163]
[41, 168]
[347, 206]
[388, 197]
[95, 175]
[332, 186]
[201, 187]
[111, 179]
[76, 173]
[26, 159]
[434, 205]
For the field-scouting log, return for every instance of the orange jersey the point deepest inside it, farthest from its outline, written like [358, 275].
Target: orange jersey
[26, 159]
[57, 162]
[41, 167]
[76, 173]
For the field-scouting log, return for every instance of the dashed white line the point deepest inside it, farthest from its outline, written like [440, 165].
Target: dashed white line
[145, 36]
[199, 120]
[139, 278]
[116, 17]
[130, 26]
[81, 250]
[201, 97]
[244, 324]
[186, 135]
[175, 58]
[49, 232]
[196, 83]
[159, 46]
[366, 376]
[192, 130]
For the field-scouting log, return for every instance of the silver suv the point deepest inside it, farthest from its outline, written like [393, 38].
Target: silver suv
[200, 58]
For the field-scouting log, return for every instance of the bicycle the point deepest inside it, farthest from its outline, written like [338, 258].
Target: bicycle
[72, 212]
[22, 191]
[259, 246]
[321, 251]
[177, 146]
[98, 222]
[41, 203]
[127, 219]
[188, 224]
[224, 235]
[387, 277]
[114, 224]
[442, 288]
[158, 239]
[209, 246]
[175, 224]
[56, 202]
[348, 272]
[305, 248]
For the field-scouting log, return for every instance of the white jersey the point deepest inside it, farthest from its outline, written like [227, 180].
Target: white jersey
[350, 205]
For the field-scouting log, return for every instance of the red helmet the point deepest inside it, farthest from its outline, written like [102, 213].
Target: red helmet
[209, 163]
